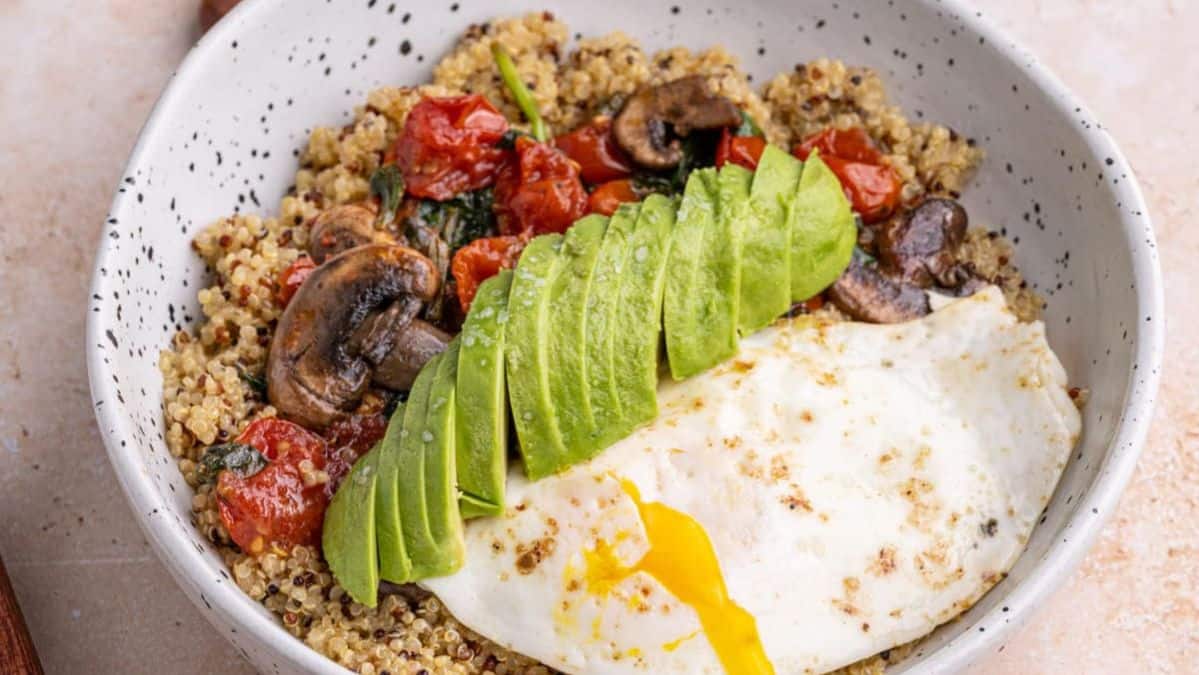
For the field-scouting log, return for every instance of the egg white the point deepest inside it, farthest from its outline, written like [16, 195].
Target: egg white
[860, 484]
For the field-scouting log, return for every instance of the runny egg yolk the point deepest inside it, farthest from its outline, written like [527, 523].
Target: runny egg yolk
[682, 559]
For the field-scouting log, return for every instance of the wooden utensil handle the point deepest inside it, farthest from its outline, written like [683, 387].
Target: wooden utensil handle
[17, 655]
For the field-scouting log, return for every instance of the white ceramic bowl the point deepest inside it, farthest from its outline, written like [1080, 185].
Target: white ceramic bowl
[224, 135]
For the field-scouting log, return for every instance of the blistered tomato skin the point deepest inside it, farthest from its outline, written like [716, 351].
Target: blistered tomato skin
[448, 146]
[275, 508]
[539, 192]
[596, 152]
[850, 144]
[741, 150]
[873, 189]
[871, 185]
[482, 259]
[607, 197]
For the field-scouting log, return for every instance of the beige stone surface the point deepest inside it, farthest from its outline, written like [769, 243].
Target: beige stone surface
[77, 81]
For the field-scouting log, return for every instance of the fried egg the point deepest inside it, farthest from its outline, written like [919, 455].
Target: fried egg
[835, 490]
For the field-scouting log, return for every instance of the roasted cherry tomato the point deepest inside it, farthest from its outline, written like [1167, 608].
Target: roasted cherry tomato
[742, 150]
[348, 439]
[594, 148]
[539, 192]
[873, 189]
[482, 259]
[448, 146]
[292, 278]
[275, 507]
[871, 185]
[852, 143]
[605, 198]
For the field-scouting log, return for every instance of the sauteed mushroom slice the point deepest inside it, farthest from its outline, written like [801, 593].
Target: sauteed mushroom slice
[866, 294]
[342, 228]
[375, 336]
[922, 245]
[345, 318]
[419, 342]
[648, 125]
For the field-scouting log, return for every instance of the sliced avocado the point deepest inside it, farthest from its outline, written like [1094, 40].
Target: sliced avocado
[568, 336]
[766, 247]
[437, 438]
[703, 285]
[822, 230]
[432, 524]
[684, 305]
[601, 324]
[526, 354]
[411, 489]
[394, 564]
[348, 536]
[721, 267]
[481, 398]
[638, 320]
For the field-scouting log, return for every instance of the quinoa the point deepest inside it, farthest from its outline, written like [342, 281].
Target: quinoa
[207, 397]
[404, 634]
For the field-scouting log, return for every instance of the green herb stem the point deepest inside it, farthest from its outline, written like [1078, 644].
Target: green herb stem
[524, 98]
[748, 126]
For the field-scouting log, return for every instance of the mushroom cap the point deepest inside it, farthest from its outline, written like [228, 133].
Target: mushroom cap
[344, 319]
[866, 294]
[644, 125]
[342, 228]
[921, 246]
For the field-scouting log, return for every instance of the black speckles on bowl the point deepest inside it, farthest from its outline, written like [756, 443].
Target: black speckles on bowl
[226, 135]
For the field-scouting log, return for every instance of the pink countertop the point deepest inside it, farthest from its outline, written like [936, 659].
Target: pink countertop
[81, 76]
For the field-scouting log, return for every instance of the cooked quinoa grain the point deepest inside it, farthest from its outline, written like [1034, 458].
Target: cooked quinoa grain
[407, 632]
[207, 397]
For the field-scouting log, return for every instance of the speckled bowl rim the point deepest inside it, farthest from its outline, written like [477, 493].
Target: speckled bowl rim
[189, 567]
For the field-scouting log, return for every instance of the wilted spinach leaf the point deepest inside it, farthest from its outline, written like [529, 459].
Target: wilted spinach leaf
[462, 219]
[699, 151]
[257, 383]
[387, 183]
[243, 460]
[508, 140]
[393, 403]
[645, 183]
